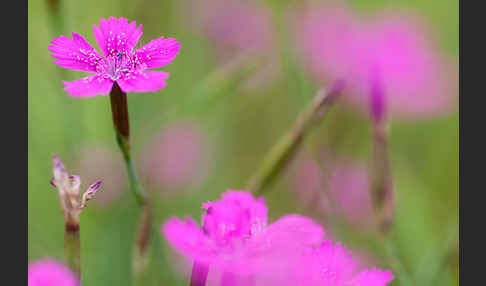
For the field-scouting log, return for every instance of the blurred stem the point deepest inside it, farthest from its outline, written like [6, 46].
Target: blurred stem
[199, 274]
[381, 179]
[119, 108]
[72, 248]
[55, 17]
[286, 147]
[382, 197]
[141, 258]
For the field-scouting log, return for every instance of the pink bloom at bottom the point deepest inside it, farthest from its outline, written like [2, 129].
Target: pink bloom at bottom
[118, 62]
[49, 272]
[331, 264]
[235, 237]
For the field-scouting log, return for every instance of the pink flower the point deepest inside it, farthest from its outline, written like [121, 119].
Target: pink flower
[177, 157]
[49, 272]
[337, 186]
[118, 62]
[243, 37]
[308, 182]
[350, 189]
[235, 237]
[331, 264]
[236, 24]
[389, 64]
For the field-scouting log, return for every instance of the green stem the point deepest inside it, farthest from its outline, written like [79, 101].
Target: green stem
[119, 108]
[72, 248]
[286, 147]
[132, 176]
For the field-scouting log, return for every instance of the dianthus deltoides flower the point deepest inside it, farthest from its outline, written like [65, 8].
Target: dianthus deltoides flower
[236, 242]
[49, 272]
[118, 62]
[235, 237]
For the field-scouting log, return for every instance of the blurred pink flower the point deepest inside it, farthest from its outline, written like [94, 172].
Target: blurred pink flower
[236, 24]
[100, 162]
[49, 272]
[118, 62]
[390, 64]
[349, 186]
[326, 37]
[235, 237]
[338, 187]
[178, 157]
[308, 182]
[331, 264]
[243, 35]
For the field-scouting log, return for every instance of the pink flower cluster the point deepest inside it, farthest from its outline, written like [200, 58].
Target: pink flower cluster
[236, 241]
[389, 63]
[118, 63]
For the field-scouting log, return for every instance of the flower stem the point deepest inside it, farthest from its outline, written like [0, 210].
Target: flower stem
[119, 108]
[381, 179]
[283, 151]
[199, 274]
[72, 248]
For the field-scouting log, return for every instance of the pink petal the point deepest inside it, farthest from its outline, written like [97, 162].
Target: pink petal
[117, 35]
[143, 81]
[75, 53]
[295, 230]
[89, 86]
[373, 277]
[157, 53]
[187, 238]
[329, 264]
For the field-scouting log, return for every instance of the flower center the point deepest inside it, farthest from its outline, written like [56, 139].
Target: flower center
[116, 65]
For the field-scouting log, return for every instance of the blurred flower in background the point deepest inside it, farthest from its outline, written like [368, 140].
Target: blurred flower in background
[393, 52]
[178, 157]
[241, 33]
[307, 182]
[49, 272]
[96, 161]
[333, 186]
[350, 190]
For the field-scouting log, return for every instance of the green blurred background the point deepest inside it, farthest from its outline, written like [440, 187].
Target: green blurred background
[241, 124]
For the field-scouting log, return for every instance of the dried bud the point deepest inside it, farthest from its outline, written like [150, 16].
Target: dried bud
[90, 193]
[68, 189]
[59, 171]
